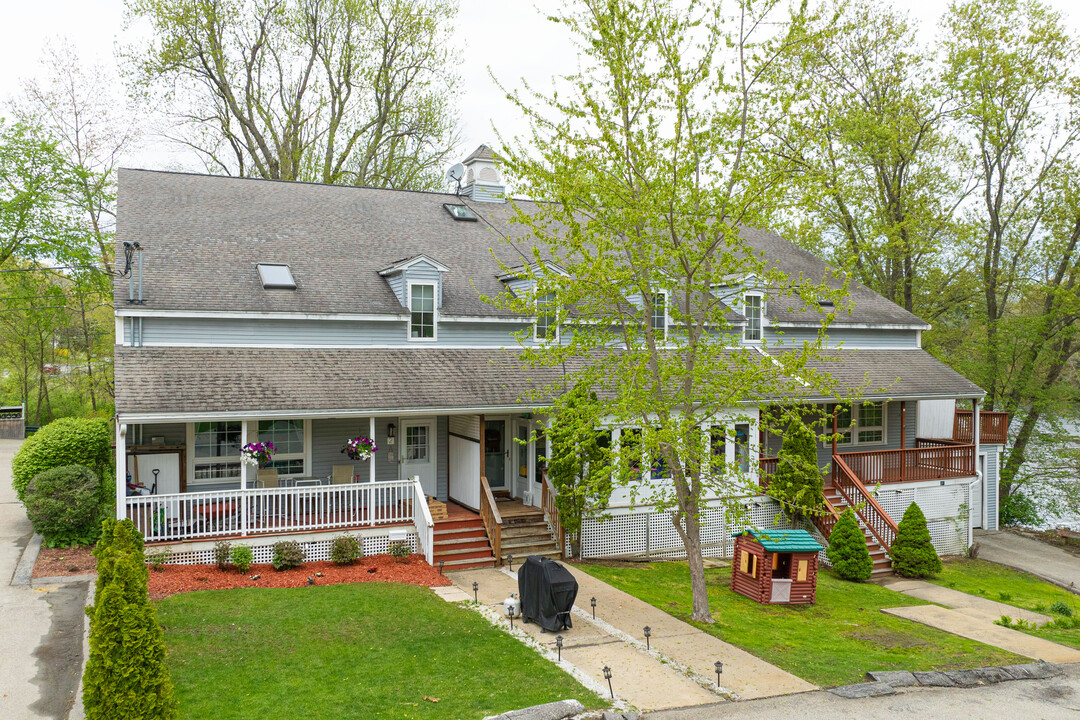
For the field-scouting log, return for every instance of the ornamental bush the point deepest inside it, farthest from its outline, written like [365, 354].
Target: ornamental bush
[67, 441]
[125, 674]
[64, 505]
[847, 549]
[798, 483]
[344, 550]
[242, 556]
[913, 554]
[287, 555]
[222, 554]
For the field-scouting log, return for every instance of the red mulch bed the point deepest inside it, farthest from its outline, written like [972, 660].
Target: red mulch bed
[375, 568]
[54, 562]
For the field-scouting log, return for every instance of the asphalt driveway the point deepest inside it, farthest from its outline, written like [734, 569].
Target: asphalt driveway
[1038, 558]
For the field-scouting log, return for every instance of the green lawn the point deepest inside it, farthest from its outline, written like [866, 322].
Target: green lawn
[834, 642]
[1013, 587]
[370, 650]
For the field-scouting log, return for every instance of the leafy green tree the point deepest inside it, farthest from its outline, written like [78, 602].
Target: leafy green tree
[912, 552]
[847, 549]
[797, 483]
[650, 159]
[342, 91]
[125, 673]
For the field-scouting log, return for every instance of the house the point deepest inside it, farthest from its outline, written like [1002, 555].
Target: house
[306, 315]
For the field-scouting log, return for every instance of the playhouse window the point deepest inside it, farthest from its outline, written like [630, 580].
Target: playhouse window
[781, 566]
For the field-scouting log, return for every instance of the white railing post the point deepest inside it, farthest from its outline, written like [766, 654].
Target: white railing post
[425, 526]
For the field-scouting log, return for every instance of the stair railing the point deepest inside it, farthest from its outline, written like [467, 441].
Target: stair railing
[865, 505]
[825, 520]
[551, 514]
[489, 513]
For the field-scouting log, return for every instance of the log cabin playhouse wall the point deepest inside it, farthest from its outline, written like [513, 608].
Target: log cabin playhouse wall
[753, 569]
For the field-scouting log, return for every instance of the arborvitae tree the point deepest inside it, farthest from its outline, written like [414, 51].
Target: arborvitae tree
[847, 549]
[798, 483]
[125, 674]
[913, 554]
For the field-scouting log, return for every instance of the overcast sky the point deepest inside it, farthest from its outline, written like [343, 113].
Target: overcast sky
[509, 36]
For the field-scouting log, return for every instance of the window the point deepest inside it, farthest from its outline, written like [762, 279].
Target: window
[217, 451]
[288, 439]
[547, 326]
[742, 447]
[659, 468]
[748, 563]
[276, 276]
[862, 425]
[752, 311]
[718, 448]
[422, 308]
[630, 451]
[659, 312]
[460, 212]
[416, 443]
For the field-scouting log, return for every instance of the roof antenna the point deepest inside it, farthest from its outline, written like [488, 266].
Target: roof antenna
[456, 173]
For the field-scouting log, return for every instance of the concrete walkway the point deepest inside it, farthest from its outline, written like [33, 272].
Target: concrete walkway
[679, 670]
[41, 627]
[1038, 558]
[977, 607]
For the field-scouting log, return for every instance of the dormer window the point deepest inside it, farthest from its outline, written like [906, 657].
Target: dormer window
[753, 308]
[547, 324]
[421, 311]
[276, 276]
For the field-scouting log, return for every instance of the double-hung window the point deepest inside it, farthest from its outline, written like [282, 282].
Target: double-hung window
[658, 318]
[863, 424]
[547, 324]
[421, 311]
[752, 309]
[871, 427]
[217, 452]
[288, 439]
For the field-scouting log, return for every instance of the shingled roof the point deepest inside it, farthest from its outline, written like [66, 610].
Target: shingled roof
[202, 236]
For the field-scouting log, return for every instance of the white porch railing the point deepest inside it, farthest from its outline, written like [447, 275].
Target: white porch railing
[422, 521]
[266, 511]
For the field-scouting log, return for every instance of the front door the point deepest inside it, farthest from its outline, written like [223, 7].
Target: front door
[495, 453]
[521, 461]
[418, 453]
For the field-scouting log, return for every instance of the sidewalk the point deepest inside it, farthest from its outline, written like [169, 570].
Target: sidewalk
[1038, 558]
[644, 679]
[41, 627]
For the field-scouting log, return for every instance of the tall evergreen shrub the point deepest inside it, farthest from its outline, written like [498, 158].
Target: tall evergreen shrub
[125, 674]
[847, 549]
[913, 554]
[798, 483]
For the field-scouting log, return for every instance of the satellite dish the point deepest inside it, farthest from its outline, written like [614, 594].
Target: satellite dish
[456, 173]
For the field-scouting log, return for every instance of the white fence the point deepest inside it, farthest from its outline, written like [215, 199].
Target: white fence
[268, 511]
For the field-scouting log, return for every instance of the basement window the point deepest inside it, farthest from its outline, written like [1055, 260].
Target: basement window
[460, 212]
[276, 276]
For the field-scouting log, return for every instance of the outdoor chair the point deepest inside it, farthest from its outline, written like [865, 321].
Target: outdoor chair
[270, 506]
[342, 475]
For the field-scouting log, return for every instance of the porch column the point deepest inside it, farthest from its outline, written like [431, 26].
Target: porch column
[371, 460]
[483, 446]
[903, 437]
[976, 429]
[243, 465]
[835, 419]
[121, 470]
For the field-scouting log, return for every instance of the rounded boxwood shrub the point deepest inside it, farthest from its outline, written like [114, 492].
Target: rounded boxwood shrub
[67, 441]
[288, 554]
[242, 557]
[64, 505]
[913, 554]
[344, 550]
[847, 549]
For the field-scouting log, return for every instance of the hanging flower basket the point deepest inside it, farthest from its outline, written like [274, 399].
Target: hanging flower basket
[360, 448]
[257, 454]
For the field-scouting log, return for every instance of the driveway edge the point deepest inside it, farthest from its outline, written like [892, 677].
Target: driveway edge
[24, 571]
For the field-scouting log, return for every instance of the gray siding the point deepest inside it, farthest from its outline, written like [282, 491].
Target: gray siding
[397, 284]
[327, 439]
[425, 273]
[174, 433]
[849, 337]
[442, 459]
[892, 436]
[992, 480]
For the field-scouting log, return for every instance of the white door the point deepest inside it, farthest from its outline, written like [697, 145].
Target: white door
[418, 453]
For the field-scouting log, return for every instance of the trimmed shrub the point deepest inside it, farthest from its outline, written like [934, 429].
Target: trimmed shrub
[847, 549]
[64, 505]
[157, 560]
[798, 483]
[287, 555]
[913, 553]
[344, 550]
[125, 674]
[67, 441]
[242, 557]
[400, 550]
[222, 553]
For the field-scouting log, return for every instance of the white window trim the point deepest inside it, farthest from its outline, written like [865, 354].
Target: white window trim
[304, 454]
[191, 481]
[555, 319]
[434, 312]
[761, 318]
[667, 313]
[854, 428]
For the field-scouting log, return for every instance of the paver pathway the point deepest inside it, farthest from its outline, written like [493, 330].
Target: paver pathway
[1038, 558]
[640, 678]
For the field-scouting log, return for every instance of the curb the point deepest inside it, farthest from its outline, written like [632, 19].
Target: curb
[77, 711]
[886, 683]
[61, 579]
[24, 571]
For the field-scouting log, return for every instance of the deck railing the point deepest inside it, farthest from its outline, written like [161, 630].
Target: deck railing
[551, 514]
[993, 427]
[266, 511]
[865, 505]
[931, 460]
[767, 467]
[423, 522]
[489, 513]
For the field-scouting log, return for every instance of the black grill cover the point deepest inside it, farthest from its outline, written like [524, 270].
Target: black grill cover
[547, 591]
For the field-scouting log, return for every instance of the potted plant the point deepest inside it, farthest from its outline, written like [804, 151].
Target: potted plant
[360, 448]
[257, 454]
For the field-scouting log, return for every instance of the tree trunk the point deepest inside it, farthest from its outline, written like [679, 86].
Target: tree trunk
[690, 532]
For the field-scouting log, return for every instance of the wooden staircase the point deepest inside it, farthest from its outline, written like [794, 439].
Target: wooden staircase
[526, 533]
[462, 544]
[882, 563]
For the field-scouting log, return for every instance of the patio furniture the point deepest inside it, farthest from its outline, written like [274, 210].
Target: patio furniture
[270, 507]
[268, 477]
[342, 474]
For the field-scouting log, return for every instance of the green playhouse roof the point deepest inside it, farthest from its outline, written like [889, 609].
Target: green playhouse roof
[783, 540]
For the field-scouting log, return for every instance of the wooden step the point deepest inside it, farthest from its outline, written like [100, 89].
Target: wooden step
[441, 545]
[462, 553]
[459, 524]
[467, 563]
[460, 534]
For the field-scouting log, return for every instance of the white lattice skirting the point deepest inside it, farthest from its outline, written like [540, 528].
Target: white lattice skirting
[316, 545]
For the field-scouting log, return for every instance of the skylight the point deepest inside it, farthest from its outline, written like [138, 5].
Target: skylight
[276, 277]
[460, 212]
